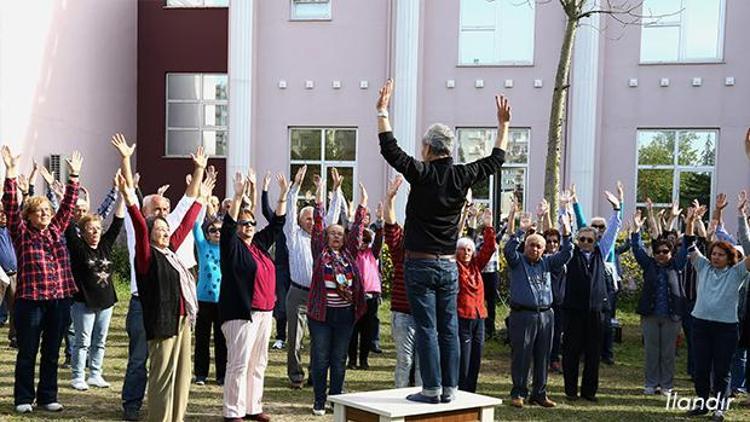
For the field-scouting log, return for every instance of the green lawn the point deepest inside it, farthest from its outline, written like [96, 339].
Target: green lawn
[619, 393]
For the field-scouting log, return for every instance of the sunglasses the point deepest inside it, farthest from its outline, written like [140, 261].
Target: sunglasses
[586, 239]
[662, 252]
[553, 240]
[213, 230]
[599, 226]
[245, 223]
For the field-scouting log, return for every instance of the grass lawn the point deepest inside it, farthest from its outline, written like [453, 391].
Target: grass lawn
[619, 393]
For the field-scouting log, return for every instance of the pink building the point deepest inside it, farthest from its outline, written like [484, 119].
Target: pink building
[662, 106]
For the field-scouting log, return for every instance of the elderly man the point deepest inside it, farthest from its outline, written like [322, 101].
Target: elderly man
[585, 304]
[437, 196]
[297, 231]
[532, 318]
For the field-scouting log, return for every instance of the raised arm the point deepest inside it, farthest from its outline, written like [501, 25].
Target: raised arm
[200, 162]
[142, 239]
[240, 187]
[355, 232]
[108, 203]
[389, 209]
[334, 208]
[10, 192]
[384, 99]
[488, 246]
[742, 227]
[318, 237]
[291, 225]
[503, 122]
[125, 151]
[62, 217]
[265, 206]
[639, 251]
[609, 237]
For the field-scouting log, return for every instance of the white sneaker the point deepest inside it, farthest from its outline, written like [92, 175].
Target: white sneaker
[24, 408]
[319, 412]
[666, 391]
[53, 407]
[98, 382]
[278, 345]
[79, 384]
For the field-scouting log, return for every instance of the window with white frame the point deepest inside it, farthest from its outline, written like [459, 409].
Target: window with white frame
[476, 143]
[676, 165]
[197, 3]
[197, 109]
[321, 149]
[496, 32]
[310, 9]
[676, 31]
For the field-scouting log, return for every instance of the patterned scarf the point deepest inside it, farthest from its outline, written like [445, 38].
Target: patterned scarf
[187, 283]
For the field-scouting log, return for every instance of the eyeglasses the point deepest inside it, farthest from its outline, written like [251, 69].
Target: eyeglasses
[662, 252]
[599, 226]
[586, 239]
[245, 223]
[553, 240]
[213, 230]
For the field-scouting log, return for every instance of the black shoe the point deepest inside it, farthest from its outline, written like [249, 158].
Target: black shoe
[571, 398]
[590, 398]
[421, 398]
[609, 361]
[129, 414]
[309, 382]
[220, 381]
[351, 366]
[701, 411]
[13, 343]
[364, 367]
[376, 349]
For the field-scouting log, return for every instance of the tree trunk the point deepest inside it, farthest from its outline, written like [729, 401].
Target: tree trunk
[557, 115]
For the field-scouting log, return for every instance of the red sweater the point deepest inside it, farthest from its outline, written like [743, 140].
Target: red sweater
[470, 285]
[394, 238]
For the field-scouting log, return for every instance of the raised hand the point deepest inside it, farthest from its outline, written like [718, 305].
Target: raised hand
[284, 185]
[612, 200]
[393, 186]
[266, 180]
[503, 110]
[565, 219]
[741, 201]
[337, 179]
[120, 183]
[74, 164]
[638, 221]
[251, 176]
[573, 193]
[207, 187]
[649, 205]
[300, 176]
[526, 223]
[239, 184]
[542, 208]
[747, 144]
[121, 145]
[487, 217]
[362, 195]
[566, 197]
[721, 201]
[10, 160]
[46, 175]
[690, 215]
[379, 211]
[620, 192]
[675, 210]
[200, 158]
[23, 183]
[384, 96]
[58, 189]
[136, 179]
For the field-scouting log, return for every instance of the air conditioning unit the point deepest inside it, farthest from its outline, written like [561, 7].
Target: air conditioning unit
[54, 166]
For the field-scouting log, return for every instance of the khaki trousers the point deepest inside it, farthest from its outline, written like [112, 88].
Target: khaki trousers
[169, 375]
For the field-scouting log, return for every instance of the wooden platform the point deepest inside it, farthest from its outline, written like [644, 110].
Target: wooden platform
[391, 405]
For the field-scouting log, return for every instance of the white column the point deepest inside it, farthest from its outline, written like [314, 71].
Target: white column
[405, 78]
[584, 118]
[240, 87]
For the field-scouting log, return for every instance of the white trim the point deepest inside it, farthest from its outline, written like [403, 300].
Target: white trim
[322, 162]
[294, 18]
[240, 68]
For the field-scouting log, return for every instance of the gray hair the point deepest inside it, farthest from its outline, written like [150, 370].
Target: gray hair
[465, 241]
[440, 138]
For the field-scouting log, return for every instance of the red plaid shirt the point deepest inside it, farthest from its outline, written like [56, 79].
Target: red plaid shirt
[43, 262]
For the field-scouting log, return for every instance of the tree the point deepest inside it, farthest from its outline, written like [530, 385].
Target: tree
[577, 12]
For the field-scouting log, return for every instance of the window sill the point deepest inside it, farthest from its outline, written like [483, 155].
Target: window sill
[182, 157]
[310, 19]
[487, 65]
[194, 7]
[699, 62]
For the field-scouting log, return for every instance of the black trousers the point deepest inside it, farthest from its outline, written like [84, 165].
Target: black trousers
[363, 333]
[582, 336]
[471, 336]
[208, 316]
[608, 350]
[491, 280]
[713, 346]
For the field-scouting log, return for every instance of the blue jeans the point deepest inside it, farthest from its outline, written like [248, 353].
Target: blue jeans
[38, 320]
[739, 363]
[91, 327]
[329, 344]
[402, 331]
[134, 385]
[432, 287]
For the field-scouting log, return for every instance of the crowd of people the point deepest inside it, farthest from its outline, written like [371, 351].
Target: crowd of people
[205, 266]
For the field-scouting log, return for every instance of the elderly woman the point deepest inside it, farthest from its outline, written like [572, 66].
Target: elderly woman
[45, 283]
[471, 309]
[715, 323]
[661, 306]
[92, 264]
[247, 298]
[167, 292]
[337, 297]
[437, 196]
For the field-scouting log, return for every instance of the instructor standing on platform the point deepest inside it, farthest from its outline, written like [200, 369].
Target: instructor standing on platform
[437, 196]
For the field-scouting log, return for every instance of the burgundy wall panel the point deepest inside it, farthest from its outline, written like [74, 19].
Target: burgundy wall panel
[173, 40]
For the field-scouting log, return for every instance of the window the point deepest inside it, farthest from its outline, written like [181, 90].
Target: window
[321, 149]
[311, 9]
[675, 165]
[682, 31]
[196, 113]
[476, 143]
[197, 3]
[496, 32]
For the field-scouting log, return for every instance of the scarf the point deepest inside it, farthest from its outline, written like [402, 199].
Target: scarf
[187, 283]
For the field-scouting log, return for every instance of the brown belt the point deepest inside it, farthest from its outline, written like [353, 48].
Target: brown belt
[427, 255]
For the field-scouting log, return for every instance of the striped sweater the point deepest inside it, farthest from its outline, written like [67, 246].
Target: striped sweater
[394, 238]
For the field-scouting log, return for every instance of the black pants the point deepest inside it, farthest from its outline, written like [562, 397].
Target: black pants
[208, 316]
[471, 338]
[608, 336]
[39, 322]
[554, 355]
[713, 346]
[363, 332]
[583, 336]
[491, 280]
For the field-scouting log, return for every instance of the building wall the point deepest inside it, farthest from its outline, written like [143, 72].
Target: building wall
[172, 40]
[67, 81]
